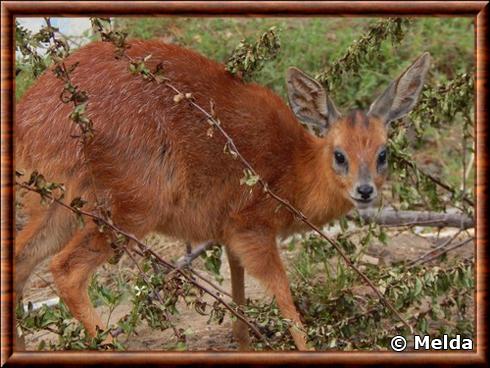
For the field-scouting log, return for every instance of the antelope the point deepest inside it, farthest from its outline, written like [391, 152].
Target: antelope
[161, 172]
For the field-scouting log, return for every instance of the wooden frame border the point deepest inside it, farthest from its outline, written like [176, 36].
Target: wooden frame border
[12, 9]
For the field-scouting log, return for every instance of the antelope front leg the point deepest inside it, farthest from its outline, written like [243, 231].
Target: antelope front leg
[260, 258]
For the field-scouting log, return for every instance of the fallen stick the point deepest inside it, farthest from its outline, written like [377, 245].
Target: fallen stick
[391, 217]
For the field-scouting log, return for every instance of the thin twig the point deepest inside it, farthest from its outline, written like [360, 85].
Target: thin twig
[297, 213]
[85, 131]
[446, 250]
[205, 279]
[181, 266]
[236, 154]
[469, 166]
[434, 179]
[145, 250]
[445, 244]
[192, 254]
[48, 283]
[155, 292]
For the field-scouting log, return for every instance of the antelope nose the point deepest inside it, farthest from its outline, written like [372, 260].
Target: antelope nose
[365, 191]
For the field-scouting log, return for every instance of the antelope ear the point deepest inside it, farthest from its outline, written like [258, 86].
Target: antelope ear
[402, 94]
[310, 102]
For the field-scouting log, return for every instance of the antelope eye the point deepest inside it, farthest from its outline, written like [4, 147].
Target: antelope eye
[382, 157]
[339, 158]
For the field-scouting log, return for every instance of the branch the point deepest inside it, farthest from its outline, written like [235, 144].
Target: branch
[432, 178]
[146, 251]
[363, 50]
[193, 254]
[433, 251]
[446, 250]
[391, 217]
[156, 293]
[233, 150]
[185, 261]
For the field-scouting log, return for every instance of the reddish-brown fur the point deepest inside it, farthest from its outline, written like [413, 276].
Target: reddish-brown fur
[153, 161]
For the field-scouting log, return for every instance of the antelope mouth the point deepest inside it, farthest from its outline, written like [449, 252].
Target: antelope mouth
[362, 203]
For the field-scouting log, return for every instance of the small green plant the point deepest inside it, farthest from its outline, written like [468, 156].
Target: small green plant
[436, 300]
[364, 50]
[58, 320]
[212, 261]
[248, 58]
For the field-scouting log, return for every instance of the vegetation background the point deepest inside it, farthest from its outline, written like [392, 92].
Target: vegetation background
[339, 311]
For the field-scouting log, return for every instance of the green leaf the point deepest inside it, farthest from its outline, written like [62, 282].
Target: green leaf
[249, 178]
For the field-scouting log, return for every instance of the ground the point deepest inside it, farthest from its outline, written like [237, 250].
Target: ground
[200, 335]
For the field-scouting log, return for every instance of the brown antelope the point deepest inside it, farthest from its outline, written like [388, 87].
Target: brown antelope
[151, 157]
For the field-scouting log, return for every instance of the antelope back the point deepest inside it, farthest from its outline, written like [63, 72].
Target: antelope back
[152, 157]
